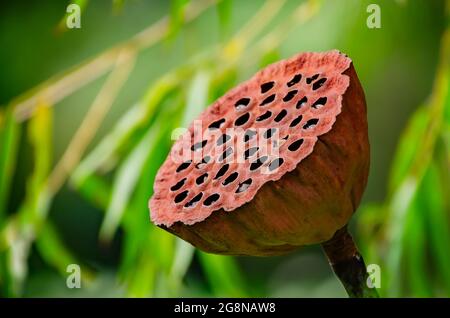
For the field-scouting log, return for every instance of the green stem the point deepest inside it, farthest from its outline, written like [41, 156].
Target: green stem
[348, 265]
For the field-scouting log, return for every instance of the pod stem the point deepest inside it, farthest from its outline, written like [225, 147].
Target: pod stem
[348, 265]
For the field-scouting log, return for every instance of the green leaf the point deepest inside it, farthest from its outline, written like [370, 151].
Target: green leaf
[143, 280]
[224, 10]
[25, 227]
[136, 220]
[184, 252]
[221, 83]
[96, 190]
[197, 98]
[415, 243]
[144, 236]
[137, 117]
[223, 275]
[270, 57]
[118, 5]
[9, 139]
[160, 245]
[447, 107]
[55, 253]
[177, 9]
[40, 132]
[438, 220]
[132, 167]
[6, 279]
[399, 208]
[125, 182]
[408, 146]
[15, 258]
[446, 123]
[370, 218]
[145, 244]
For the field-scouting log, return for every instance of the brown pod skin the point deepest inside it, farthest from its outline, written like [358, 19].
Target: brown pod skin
[307, 205]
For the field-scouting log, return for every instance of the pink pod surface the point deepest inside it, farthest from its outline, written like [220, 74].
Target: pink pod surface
[239, 182]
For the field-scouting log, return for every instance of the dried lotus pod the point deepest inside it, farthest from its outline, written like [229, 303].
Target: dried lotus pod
[279, 162]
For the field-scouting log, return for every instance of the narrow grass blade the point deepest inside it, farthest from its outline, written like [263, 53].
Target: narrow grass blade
[41, 138]
[96, 190]
[408, 147]
[415, 241]
[9, 139]
[118, 6]
[125, 181]
[223, 275]
[55, 253]
[222, 82]
[224, 10]
[438, 220]
[136, 118]
[143, 280]
[177, 8]
[184, 252]
[24, 228]
[270, 57]
[197, 98]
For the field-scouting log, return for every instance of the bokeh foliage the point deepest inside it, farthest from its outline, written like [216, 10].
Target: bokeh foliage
[90, 139]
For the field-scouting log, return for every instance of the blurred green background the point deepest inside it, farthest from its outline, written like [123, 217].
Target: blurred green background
[86, 118]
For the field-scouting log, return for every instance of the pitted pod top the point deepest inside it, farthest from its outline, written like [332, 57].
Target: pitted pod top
[253, 134]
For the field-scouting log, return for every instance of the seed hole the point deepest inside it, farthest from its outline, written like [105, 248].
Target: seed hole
[281, 115]
[181, 196]
[199, 145]
[290, 95]
[242, 120]
[296, 79]
[201, 179]
[242, 103]
[269, 133]
[178, 185]
[211, 199]
[275, 164]
[296, 121]
[217, 124]
[250, 152]
[249, 134]
[319, 83]
[312, 78]
[223, 139]
[203, 163]
[244, 185]
[230, 178]
[301, 102]
[268, 100]
[267, 87]
[222, 171]
[225, 154]
[295, 145]
[311, 123]
[184, 166]
[319, 103]
[264, 116]
[194, 200]
[258, 163]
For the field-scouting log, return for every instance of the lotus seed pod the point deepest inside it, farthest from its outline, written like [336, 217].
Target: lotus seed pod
[279, 162]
